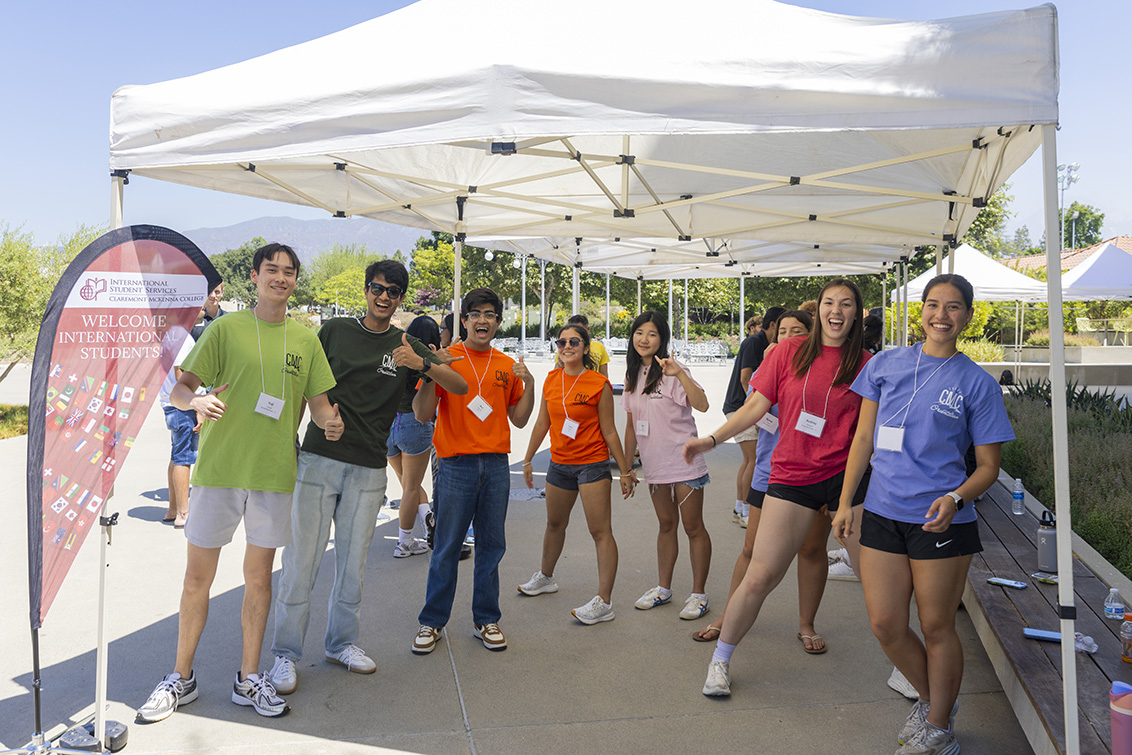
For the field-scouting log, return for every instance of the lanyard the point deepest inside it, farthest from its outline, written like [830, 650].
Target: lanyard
[805, 384]
[259, 344]
[486, 371]
[916, 388]
[563, 375]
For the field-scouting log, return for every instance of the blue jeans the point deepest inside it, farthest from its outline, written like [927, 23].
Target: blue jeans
[473, 487]
[349, 495]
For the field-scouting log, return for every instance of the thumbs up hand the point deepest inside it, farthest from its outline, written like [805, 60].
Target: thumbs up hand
[334, 426]
[209, 406]
[520, 371]
[405, 356]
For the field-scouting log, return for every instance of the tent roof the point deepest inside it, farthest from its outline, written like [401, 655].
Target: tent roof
[1107, 274]
[991, 280]
[829, 129]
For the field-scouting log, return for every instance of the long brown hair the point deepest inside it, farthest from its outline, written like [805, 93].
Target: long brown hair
[850, 350]
[633, 358]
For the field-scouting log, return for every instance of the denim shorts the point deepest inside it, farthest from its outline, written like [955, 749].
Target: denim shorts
[409, 437]
[570, 476]
[181, 424]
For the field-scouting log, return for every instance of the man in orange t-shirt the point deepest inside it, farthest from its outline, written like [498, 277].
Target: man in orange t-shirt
[472, 440]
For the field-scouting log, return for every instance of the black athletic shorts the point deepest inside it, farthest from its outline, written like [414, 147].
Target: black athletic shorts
[909, 539]
[755, 497]
[818, 494]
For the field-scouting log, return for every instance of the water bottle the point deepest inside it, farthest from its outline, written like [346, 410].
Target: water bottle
[1126, 639]
[1113, 605]
[1047, 543]
[1018, 507]
[1120, 717]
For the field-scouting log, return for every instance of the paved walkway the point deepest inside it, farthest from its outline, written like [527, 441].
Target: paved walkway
[627, 686]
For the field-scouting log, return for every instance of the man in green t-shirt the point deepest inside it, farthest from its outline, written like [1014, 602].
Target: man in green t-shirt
[265, 367]
[344, 482]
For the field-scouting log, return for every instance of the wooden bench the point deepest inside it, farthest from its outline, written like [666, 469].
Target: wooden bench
[1029, 670]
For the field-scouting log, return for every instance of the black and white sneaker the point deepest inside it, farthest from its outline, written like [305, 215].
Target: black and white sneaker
[259, 693]
[170, 693]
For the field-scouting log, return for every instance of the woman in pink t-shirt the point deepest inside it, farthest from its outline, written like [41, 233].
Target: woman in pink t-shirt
[809, 378]
[659, 398]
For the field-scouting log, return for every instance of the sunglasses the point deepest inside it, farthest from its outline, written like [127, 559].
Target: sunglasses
[395, 292]
[574, 342]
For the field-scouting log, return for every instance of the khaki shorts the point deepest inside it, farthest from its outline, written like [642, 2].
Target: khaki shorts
[214, 514]
[751, 433]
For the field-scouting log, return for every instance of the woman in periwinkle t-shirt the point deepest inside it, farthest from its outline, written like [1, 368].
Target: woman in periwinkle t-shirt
[921, 408]
[659, 398]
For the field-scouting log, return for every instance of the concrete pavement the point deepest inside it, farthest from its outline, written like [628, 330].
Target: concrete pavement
[630, 685]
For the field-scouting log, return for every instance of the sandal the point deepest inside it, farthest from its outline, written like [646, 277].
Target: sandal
[707, 634]
[813, 638]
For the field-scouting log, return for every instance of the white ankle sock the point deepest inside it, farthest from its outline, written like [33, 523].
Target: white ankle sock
[723, 652]
[404, 536]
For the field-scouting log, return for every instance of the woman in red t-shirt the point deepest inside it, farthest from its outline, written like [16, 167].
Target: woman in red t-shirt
[809, 377]
[577, 411]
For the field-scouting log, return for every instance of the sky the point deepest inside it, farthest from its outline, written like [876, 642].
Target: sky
[60, 63]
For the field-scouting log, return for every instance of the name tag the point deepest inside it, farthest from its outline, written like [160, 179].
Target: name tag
[269, 406]
[769, 422]
[642, 428]
[480, 408]
[890, 439]
[810, 424]
[569, 428]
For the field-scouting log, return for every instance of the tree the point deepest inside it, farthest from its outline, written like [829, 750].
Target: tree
[985, 232]
[1085, 229]
[346, 291]
[235, 268]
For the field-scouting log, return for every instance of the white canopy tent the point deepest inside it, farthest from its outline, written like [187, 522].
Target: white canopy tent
[991, 280]
[832, 129]
[1106, 274]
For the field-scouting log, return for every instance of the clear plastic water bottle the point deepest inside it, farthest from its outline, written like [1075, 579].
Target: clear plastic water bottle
[1114, 606]
[1126, 639]
[1018, 507]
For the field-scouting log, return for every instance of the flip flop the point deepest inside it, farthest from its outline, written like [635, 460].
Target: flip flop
[707, 634]
[167, 519]
[812, 637]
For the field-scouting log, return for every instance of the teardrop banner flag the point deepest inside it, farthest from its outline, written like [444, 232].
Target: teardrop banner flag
[113, 327]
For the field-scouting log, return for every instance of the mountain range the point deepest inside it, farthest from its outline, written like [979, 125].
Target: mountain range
[309, 237]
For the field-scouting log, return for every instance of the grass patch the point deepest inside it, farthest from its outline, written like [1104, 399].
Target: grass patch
[1100, 467]
[13, 421]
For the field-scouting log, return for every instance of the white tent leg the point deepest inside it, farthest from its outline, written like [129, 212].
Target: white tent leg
[523, 332]
[939, 259]
[685, 313]
[671, 322]
[951, 261]
[458, 254]
[907, 312]
[638, 297]
[1060, 443]
[607, 306]
[884, 300]
[117, 190]
[576, 298]
[742, 310]
[543, 308]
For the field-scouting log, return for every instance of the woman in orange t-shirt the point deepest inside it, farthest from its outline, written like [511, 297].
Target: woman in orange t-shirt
[577, 411]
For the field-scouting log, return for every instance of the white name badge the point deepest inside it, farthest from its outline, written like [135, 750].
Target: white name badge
[890, 439]
[570, 428]
[810, 424]
[642, 428]
[769, 422]
[269, 406]
[480, 408]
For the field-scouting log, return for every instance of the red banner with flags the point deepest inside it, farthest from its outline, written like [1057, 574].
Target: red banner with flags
[113, 327]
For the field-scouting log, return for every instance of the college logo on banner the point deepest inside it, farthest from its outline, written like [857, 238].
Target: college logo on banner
[113, 327]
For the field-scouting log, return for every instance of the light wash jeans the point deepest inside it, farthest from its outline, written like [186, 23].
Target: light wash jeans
[468, 488]
[349, 495]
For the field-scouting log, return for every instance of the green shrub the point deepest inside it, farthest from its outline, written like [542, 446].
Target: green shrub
[982, 350]
[1041, 338]
[1100, 463]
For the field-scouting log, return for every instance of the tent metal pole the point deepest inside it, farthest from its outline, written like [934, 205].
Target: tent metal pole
[742, 308]
[907, 313]
[951, 261]
[117, 191]
[1065, 596]
[607, 306]
[523, 333]
[638, 297]
[670, 320]
[685, 313]
[458, 254]
[543, 309]
[938, 259]
[884, 300]
[577, 295]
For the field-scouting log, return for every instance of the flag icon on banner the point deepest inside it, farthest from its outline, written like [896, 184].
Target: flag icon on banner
[49, 412]
[95, 504]
[90, 423]
[108, 411]
[58, 538]
[57, 370]
[73, 489]
[102, 388]
[88, 385]
[141, 394]
[73, 378]
[114, 393]
[115, 440]
[59, 505]
[83, 498]
[124, 414]
[108, 465]
[94, 405]
[68, 391]
[61, 405]
[127, 395]
[129, 442]
[76, 415]
[71, 514]
[79, 445]
[70, 542]
[94, 457]
[51, 394]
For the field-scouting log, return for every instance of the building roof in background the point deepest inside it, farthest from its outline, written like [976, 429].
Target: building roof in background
[1070, 258]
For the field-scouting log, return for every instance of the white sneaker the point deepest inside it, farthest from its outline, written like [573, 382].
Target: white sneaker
[918, 717]
[694, 607]
[171, 693]
[595, 611]
[718, 682]
[258, 692]
[652, 598]
[411, 548]
[900, 683]
[743, 520]
[838, 554]
[930, 740]
[352, 658]
[842, 571]
[283, 675]
[538, 584]
[736, 516]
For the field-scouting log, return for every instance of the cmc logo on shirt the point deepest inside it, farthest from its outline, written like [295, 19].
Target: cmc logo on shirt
[949, 403]
[294, 364]
[581, 398]
[502, 379]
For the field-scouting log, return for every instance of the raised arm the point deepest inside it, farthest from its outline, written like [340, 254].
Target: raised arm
[748, 414]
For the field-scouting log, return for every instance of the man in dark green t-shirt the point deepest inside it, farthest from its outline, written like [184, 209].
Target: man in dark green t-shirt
[344, 481]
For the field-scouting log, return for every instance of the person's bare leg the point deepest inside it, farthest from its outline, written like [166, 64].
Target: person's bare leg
[171, 511]
[179, 479]
[886, 580]
[782, 530]
[667, 542]
[813, 571]
[559, 503]
[598, 508]
[413, 469]
[740, 569]
[691, 505]
[200, 570]
[257, 603]
[938, 585]
[746, 469]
